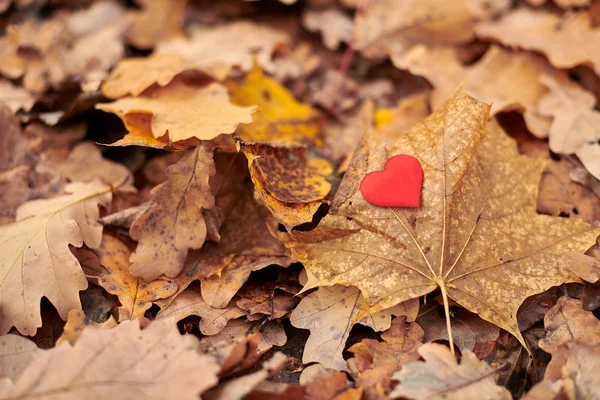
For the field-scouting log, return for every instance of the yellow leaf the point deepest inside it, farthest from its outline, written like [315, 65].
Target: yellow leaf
[279, 117]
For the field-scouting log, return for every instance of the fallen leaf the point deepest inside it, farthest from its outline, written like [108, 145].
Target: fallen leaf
[85, 162]
[548, 33]
[439, 376]
[291, 185]
[298, 63]
[335, 26]
[77, 321]
[16, 352]
[174, 224]
[135, 295]
[468, 237]
[330, 313]
[574, 128]
[156, 361]
[158, 20]
[405, 115]
[385, 23]
[374, 362]
[133, 76]
[342, 137]
[212, 320]
[16, 98]
[585, 267]
[279, 117]
[178, 110]
[217, 50]
[36, 261]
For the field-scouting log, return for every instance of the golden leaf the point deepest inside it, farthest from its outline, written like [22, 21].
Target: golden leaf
[476, 236]
[279, 117]
[77, 322]
[135, 295]
[36, 261]
[174, 223]
[181, 111]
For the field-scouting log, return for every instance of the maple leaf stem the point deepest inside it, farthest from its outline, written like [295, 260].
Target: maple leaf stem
[442, 286]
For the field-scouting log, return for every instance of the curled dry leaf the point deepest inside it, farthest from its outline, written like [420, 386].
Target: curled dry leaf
[77, 321]
[476, 236]
[279, 117]
[330, 313]
[291, 185]
[574, 128]
[16, 352]
[156, 361]
[135, 295]
[549, 33]
[36, 261]
[158, 20]
[217, 50]
[85, 162]
[174, 224]
[335, 26]
[374, 362]
[386, 23]
[177, 110]
[439, 376]
[189, 302]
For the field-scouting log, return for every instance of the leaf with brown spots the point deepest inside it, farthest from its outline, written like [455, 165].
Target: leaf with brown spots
[279, 117]
[36, 261]
[135, 295]
[291, 185]
[476, 236]
[174, 224]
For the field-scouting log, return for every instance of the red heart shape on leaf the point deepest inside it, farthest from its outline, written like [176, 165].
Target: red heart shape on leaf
[398, 185]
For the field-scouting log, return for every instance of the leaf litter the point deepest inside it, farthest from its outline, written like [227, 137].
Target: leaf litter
[181, 213]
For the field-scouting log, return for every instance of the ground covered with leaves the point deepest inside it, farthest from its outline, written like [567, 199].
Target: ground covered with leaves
[181, 211]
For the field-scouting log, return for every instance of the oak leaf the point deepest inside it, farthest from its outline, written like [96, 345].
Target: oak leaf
[178, 110]
[217, 50]
[135, 295]
[15, 97]
[174, 224]
[190, 302]
[439, 376]
[279, 117]
[469, 237]
[158, 20]
[36, 261]
[156, 361]
[16, 352]
[330, 313]
[290, 185]
[549, 33]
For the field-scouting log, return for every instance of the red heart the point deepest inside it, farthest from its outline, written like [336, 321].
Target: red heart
[398, 185]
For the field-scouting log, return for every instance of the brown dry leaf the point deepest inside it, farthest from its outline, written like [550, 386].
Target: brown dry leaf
[374, 362]
[549, 33]
[585, 267]
[135, 295]
[439, 376]
[133, 76]
[85, 162]
[16, 352]
[15, 97]
[217, 50]
[335, 26]
[291, 185]
[469, 331]
[174, 224]
[562, 3]
[155, 362]
[178, 110]
[574, 128]
[387, 23]
[342, 137]
[268, 297]
[506, 80]
[476, 236]
[405, 115]
[158, 20]
[36, 261]
[330, 313]
[298, 63]
[279, 117]
[14, 150]
[77, 321]
[559, 195]
[212, 320]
